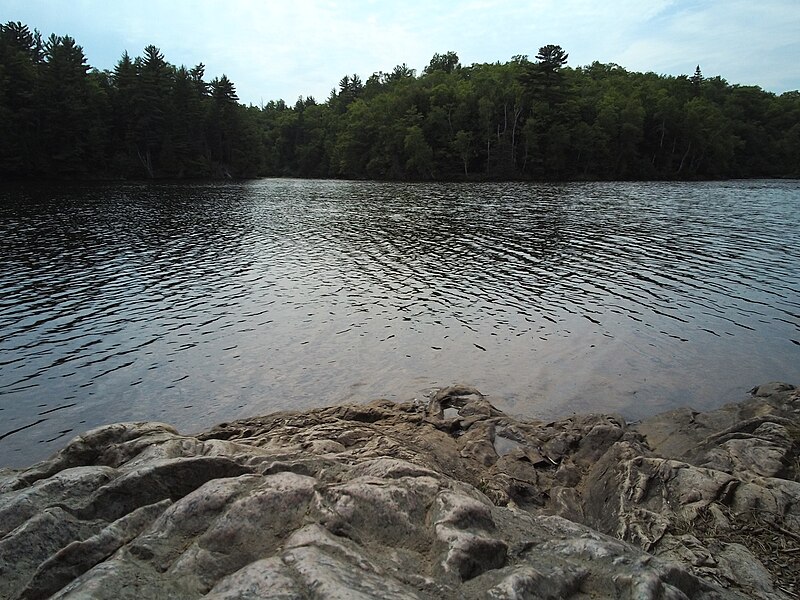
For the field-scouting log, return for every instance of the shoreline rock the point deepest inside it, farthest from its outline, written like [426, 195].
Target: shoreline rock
[451, 499]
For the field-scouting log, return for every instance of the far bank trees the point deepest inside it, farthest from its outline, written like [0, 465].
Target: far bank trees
[524, 119]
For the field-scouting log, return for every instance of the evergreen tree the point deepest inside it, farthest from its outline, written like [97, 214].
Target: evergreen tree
[63, 102]
[152, 109]
[21, 57]
[551, 58]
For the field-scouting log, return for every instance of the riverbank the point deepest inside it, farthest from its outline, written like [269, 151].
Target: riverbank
[447, 499]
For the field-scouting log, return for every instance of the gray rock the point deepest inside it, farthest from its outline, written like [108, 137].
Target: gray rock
[77, 557]
[450, 500]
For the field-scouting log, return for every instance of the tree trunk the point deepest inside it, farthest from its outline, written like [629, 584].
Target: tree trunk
[517, 113]
[683, 160]
[147, 163]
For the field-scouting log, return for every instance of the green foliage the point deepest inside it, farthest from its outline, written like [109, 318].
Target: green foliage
[551, 58]
[146, 118]
[447, 63]
[419, 154]
[522, 119]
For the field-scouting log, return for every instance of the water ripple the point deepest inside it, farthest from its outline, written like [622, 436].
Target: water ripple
[199, 303]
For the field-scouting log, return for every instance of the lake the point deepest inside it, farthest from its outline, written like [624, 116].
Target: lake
[200, 303]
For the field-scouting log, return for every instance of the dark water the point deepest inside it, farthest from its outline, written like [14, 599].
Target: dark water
[194, 304]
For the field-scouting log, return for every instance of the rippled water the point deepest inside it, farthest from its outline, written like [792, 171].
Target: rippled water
[195, 304]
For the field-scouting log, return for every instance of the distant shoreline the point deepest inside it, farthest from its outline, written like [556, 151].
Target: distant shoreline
[189, 180]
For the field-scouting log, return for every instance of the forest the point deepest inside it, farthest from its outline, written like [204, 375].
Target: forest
[525, 119]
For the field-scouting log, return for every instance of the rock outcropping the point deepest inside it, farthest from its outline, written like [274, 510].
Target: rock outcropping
[453, 499]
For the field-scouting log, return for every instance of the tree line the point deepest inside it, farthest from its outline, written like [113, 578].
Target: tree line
[524, 119]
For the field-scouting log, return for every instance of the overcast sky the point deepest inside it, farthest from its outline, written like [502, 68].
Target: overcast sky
[290, 48]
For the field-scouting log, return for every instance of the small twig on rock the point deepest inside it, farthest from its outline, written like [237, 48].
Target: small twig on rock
[785, 531]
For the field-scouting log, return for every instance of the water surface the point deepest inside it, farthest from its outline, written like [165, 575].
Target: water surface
[195, 304]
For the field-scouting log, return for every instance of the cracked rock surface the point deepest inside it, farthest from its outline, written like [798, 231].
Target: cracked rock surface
[452, 499]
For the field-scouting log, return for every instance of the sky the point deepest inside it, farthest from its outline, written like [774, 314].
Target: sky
[282, 50]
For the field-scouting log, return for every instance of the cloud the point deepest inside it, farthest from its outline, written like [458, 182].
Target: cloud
[743, 42]
[285, 49]
[268, 48]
